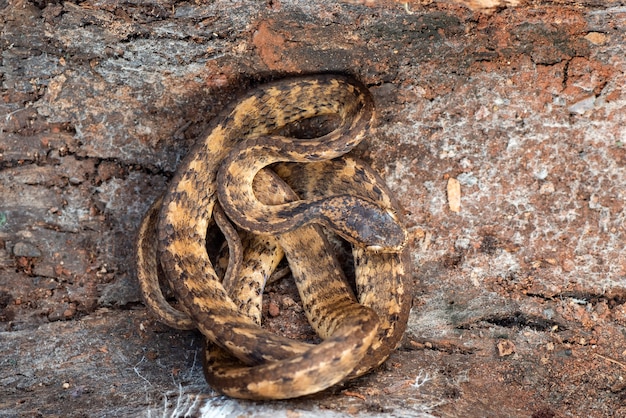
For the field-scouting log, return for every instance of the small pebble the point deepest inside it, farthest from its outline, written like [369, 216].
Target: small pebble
[505, 348]
[273, 310]
[288, 302]
[596, 38]
[25, 249]
[454, 195]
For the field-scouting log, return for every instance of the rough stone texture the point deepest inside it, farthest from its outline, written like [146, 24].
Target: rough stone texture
[520, 297]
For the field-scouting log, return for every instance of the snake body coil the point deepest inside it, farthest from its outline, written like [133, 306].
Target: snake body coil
[242, 359]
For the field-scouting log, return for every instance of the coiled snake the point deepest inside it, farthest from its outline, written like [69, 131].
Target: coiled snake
[280, 211]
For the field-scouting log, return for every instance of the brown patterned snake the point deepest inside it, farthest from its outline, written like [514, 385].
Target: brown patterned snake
[243, 359]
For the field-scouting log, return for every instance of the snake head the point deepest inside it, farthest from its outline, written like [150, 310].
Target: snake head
[364, 223]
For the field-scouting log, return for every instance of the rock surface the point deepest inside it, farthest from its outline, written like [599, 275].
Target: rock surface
[519, 293]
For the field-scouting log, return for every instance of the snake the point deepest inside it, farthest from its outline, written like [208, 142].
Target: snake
[242, 359]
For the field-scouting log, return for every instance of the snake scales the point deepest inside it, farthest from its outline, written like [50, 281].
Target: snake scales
[280, 211]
